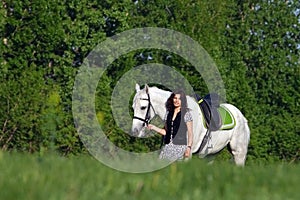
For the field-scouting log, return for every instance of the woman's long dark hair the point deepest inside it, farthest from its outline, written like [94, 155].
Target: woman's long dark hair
[170, 103]
[170, 108]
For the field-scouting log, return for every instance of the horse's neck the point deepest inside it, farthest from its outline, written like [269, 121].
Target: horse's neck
[159, 99]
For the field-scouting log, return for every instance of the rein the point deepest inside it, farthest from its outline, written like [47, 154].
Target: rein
[146, 120]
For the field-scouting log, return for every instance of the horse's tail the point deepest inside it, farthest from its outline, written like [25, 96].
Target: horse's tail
[247, 130]
[244, 135]
[246, 127]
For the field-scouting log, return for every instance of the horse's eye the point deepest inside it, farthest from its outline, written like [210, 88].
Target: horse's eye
[143, 107]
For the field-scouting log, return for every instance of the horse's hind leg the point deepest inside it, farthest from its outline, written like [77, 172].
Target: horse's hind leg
[239, 145]
[239, 156]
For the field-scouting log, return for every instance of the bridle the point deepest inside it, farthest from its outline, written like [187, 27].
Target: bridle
[146, 120]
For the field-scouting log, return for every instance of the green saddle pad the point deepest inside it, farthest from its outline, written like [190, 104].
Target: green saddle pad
[228, 121]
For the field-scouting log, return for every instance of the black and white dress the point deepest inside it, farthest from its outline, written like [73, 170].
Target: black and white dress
[175, 141]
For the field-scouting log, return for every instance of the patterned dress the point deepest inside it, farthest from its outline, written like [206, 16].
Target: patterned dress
[172, 151]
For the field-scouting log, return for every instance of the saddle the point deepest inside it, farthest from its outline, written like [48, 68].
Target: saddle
[209, 106]
[216, 117]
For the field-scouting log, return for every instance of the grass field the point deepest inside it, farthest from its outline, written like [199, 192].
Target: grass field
[24, 176]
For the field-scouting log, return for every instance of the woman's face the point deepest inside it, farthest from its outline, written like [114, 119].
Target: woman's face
[177, 101]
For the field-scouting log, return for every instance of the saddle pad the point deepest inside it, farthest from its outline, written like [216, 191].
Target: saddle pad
[228, 121]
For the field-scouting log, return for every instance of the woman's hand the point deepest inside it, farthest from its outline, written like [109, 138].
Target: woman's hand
[156, 129]
[187, 152]
[150, 126]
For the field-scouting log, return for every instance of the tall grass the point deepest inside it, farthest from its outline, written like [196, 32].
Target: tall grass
[24, 176]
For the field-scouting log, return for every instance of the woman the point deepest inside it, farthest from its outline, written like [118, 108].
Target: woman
[178, 129]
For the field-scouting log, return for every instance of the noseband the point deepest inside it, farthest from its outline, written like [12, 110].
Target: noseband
[146, 120]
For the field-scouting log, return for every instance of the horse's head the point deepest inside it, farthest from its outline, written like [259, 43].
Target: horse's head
[143, 111]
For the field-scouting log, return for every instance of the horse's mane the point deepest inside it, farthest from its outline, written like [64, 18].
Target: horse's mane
[159, 91]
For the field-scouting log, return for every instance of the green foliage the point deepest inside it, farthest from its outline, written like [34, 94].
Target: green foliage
[255, 45]
[22, 101]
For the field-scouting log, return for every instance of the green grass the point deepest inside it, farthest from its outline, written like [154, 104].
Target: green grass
[24, 176]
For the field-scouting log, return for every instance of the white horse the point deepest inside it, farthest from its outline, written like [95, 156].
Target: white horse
[150, 101]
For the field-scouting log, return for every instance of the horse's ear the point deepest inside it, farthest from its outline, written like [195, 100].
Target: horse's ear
[147, 88]
[137, 87]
